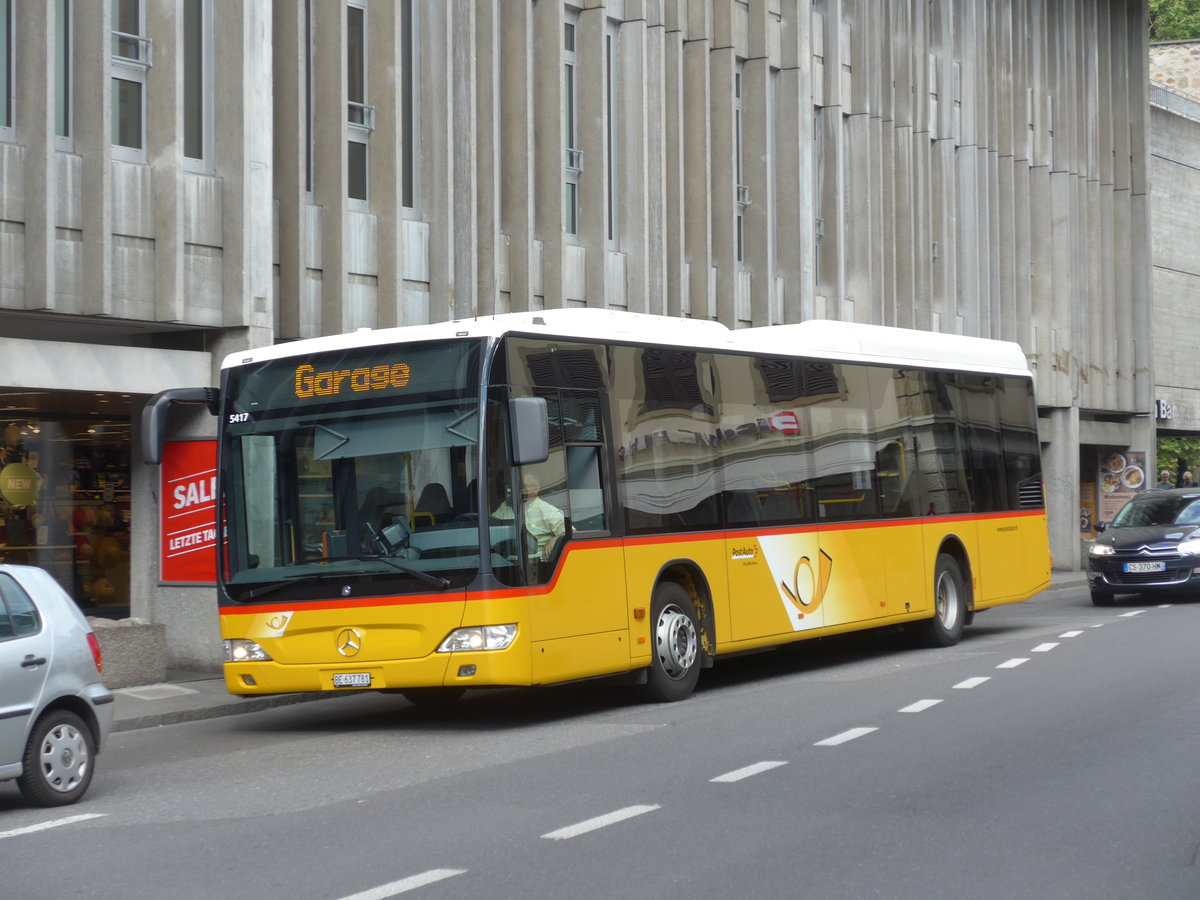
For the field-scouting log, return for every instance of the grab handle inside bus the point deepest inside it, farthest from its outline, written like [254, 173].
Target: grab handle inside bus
[530, 427]
[154, 416]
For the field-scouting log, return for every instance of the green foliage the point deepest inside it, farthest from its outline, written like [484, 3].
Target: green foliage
[1174, 20]
[1178, 455]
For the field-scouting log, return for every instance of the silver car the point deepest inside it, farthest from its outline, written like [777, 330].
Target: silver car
[54, 712]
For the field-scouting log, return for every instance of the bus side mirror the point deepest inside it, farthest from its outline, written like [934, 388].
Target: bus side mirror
[154, 416]
[530, 427]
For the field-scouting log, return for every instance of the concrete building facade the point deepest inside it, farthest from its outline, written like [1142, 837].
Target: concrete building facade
[966, 166]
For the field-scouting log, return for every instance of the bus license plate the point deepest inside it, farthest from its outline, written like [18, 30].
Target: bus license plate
[1146, 567]
[351, 679]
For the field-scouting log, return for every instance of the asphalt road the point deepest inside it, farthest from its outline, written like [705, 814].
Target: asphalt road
[1054, 753]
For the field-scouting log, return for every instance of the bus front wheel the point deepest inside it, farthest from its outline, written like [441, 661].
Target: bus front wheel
[675, 667]
[949, 604]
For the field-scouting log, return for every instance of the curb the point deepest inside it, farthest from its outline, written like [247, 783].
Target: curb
[231, 706]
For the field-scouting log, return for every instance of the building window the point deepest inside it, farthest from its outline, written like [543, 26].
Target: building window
[612, 86]
[6, 68]
[410, 126]
[739, 161]
[309, 130]
[131, 59]
[197, 83]
[574, 156]
[64, 111]
[359, 116]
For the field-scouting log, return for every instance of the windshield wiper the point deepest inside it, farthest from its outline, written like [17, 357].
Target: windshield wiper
[433, 580]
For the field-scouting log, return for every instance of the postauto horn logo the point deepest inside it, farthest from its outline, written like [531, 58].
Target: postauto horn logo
[808, 586]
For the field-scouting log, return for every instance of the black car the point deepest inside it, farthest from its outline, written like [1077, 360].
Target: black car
[1151, 547]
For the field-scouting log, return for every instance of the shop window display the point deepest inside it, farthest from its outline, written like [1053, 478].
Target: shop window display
[64, 506]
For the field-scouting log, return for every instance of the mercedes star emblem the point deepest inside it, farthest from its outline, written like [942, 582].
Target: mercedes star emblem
[349, 642]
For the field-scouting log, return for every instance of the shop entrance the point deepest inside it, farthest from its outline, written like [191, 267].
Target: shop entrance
[65, 491]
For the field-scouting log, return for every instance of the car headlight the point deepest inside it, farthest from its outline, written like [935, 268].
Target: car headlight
[1101, 550]
[1190, 547]
[483, 637]
[239, 650]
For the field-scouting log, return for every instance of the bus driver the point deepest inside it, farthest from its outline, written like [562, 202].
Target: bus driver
[544, 521]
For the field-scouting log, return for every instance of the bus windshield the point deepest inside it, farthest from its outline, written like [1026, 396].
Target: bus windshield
[356, 466]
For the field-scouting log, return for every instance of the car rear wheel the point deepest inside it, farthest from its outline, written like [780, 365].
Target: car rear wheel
[58, 760]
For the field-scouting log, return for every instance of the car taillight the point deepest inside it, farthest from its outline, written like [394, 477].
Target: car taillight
[95, 645]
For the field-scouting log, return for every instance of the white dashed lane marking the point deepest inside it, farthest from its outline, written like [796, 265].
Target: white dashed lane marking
[972, 683]
[852, 734]
[611, 818]
[1132, 613]
[747, 771]
[53, 823]
[919, 706]
[1046, 647]
[1013, 663]
[1069, 634]
[406, 884]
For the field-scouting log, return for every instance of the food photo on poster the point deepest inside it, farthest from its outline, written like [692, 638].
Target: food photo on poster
[1122, 476]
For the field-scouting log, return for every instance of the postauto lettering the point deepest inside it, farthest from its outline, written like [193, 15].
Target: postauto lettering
[311, 383]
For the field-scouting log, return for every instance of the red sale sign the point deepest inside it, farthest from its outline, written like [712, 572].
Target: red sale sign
[189, 512]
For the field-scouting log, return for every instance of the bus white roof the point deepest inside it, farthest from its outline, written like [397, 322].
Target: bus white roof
[816, 338]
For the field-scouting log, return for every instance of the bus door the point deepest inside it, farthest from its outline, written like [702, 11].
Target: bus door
[578, 621]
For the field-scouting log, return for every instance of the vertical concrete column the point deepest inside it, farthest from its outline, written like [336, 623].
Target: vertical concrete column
[673, 119]
[488, 139]
[795, 209]
[462, 143]
[330, 184]
[93, 143]
[245, 144]
[439, 86]
[290, 120]
[1060, 462]
[758, 153]
[517, 150]
[647, 240]
[591, 128]
[697, 162]
[164, 145]
[722, 186]
[550, 147]
[35, 129]
[385, 81]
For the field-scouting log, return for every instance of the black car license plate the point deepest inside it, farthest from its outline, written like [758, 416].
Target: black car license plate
[1145, 567]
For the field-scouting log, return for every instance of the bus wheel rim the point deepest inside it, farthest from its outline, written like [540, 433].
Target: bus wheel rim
[947, 601]
[676, 642]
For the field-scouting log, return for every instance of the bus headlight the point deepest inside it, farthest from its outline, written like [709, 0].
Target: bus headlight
[238, 650]
[483, 637]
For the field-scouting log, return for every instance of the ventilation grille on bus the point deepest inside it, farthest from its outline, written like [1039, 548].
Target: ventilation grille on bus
[1029, 495]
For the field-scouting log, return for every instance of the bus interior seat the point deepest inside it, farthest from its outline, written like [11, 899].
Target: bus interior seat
[434, 504]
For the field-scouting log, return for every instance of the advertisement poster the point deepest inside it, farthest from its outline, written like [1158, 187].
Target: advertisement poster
[189, 512]
[1121, 476]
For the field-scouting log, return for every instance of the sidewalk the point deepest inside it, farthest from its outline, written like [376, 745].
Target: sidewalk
[190, 696]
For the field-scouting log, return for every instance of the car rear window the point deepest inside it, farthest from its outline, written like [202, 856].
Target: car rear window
[18, 615]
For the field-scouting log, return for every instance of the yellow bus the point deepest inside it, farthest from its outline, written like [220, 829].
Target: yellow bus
[535, 498]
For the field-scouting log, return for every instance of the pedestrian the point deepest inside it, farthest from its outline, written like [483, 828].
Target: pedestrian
[1187, 480]
[1164, 481]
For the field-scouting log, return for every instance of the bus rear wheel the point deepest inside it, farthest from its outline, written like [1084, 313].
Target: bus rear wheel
[675, 667]
[949, 604]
